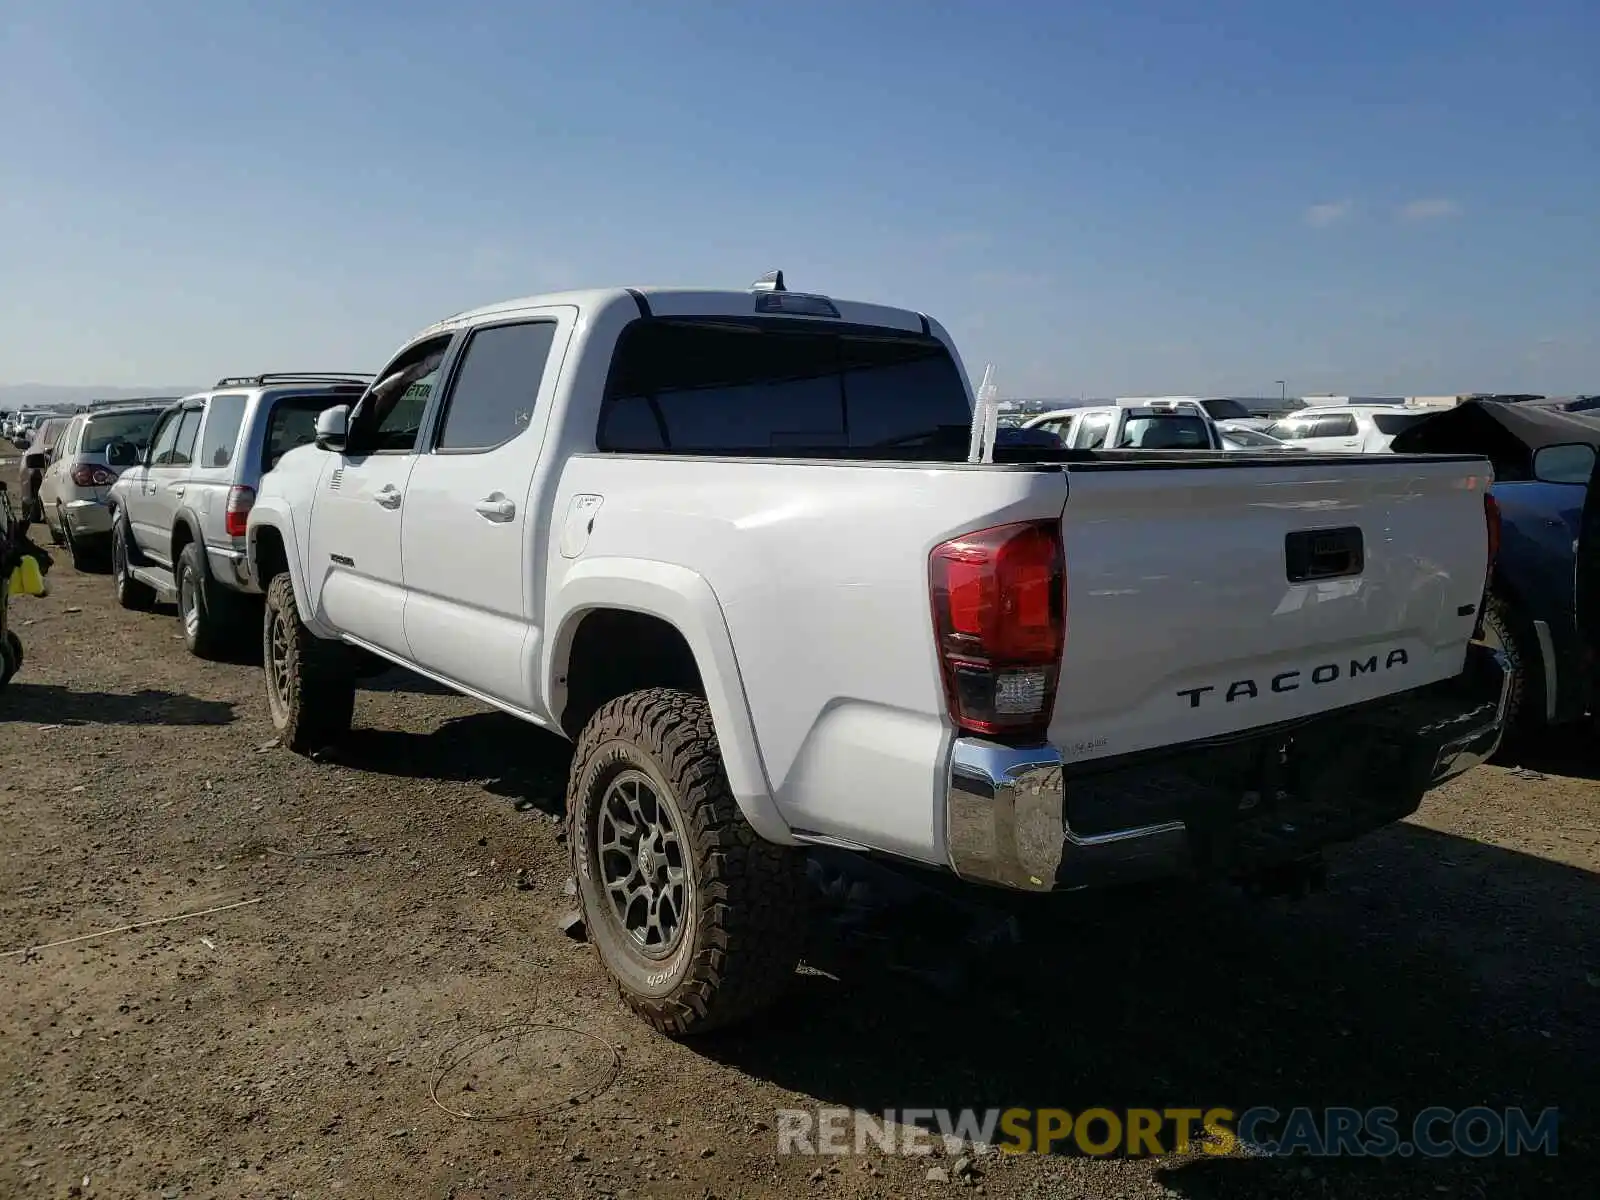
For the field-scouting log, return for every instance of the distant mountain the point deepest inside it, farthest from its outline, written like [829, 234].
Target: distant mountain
[15, 396]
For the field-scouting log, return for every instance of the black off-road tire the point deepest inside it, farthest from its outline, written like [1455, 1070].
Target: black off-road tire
[313, 705]
[1521, 648]
[130, 592]
[747, 900]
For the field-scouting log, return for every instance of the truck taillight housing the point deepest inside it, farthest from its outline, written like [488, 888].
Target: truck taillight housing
[1000, 621]
[236, 517]
[89, 475]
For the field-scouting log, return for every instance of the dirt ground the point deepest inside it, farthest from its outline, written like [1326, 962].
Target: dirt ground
[401, 943]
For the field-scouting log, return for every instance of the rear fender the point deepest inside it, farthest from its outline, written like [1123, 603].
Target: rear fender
[272, 514]
[686, 601]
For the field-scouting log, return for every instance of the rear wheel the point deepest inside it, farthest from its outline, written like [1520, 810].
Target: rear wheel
[699, 921]
[311, 687]
[82, 560]
[1505, 630]
[130, 592]
[209, 615]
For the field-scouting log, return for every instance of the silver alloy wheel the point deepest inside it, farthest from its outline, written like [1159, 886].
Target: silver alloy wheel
[189, 604]
[641, 862]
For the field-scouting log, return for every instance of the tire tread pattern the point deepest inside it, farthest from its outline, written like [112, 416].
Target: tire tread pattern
[322, 688]
[751, 895]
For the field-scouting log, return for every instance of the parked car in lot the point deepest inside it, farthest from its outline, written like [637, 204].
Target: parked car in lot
[1245, 437]
[730, 543]
[37, 454]
[95, 448]
[1157, 423]
[178, 517]
[1345, 428]
[1540, 612]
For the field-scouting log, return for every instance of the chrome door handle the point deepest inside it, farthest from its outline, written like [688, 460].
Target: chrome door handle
[177, 488]
[496, 508]
[388, 496]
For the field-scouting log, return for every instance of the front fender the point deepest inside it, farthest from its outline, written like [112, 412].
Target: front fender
[274, 514]
[686, 601]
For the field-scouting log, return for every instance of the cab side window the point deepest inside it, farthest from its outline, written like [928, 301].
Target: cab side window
[1092, 433]
[161, 444]
[182, 452]
[388, 419]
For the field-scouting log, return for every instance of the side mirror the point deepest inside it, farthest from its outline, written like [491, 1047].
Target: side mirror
[333, 427]
[1567, 463]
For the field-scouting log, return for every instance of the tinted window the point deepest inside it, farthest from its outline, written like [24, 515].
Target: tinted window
[1224, 409]
[161, 451]
[1092, 433]
[224, 414]
[1393, 423]
[99, 433]
[492, 397]
[292, 423]
[180, 450]
[755, 388]
[1343, 425]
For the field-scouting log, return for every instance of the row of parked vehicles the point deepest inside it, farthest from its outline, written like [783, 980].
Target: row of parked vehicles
[738, 546]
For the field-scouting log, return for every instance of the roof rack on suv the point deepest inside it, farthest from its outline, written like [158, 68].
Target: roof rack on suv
[356, 377]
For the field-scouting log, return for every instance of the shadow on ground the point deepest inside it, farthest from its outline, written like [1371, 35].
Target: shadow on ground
[1436, 971]
[507, 756]
[49, 704]
[1566, 750]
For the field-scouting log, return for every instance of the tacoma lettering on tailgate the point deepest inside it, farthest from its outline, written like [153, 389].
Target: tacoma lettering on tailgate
[1289, 681]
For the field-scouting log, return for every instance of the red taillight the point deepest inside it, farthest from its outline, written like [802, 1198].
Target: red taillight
[236, 516]
[88, 475]
[1000, 621]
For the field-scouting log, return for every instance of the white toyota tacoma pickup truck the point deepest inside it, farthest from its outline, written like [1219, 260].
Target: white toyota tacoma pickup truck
[732, 544]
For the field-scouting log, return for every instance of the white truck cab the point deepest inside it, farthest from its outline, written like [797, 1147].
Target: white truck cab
[734, 546]
[1134, 422]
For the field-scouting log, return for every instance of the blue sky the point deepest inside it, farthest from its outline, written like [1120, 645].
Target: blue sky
[1101, 199]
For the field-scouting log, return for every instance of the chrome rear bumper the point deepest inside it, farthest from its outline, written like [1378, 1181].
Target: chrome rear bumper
[1006, 807]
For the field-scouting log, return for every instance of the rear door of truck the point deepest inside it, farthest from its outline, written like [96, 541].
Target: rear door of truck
[1213, 597]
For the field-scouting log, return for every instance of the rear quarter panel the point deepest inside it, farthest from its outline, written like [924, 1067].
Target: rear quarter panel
[820, 571]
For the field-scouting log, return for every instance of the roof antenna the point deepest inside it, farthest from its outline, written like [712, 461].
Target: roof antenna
[772, 281]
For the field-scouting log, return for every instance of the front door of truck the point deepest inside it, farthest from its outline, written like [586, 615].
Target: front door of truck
[354, 573]
[469, 544]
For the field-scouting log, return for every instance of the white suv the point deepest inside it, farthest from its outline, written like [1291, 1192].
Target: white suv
[1346, 428]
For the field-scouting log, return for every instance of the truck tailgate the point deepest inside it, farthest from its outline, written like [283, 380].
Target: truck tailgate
[1204, 601]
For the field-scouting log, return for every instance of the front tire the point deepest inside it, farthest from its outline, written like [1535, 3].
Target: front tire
[130, 592]
[311, 689]
[698, 921]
